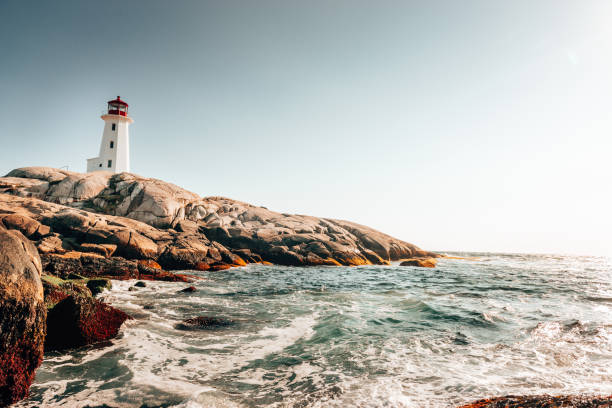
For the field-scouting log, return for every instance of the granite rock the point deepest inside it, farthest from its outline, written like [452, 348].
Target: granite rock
[149, 219]
[22, 315]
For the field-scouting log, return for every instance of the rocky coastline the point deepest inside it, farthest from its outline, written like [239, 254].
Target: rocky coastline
[64, 236]
[104, 223]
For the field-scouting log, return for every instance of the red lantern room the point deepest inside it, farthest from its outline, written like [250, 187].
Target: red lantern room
[117, 107]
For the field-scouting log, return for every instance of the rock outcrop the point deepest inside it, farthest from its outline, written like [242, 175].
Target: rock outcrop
[204, 323]
[88, 228]
[79, 320]
[75, 318]
[542, 401]
[125, 217]
[420, 262]
[22, 315]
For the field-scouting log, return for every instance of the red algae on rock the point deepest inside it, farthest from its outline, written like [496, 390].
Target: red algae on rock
[542, 401]
[18, 368]
[79, 320]
[22, 315]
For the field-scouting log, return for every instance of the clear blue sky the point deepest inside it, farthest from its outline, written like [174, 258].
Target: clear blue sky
[468, 125]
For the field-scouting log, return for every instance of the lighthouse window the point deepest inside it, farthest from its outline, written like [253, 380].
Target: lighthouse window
[110, 163]
[113, 127]
[112, 144]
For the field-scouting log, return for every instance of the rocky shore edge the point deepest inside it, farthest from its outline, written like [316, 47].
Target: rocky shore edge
[64, 236]
[542, 401]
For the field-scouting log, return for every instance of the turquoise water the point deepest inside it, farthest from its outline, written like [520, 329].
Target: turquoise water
[352, 337]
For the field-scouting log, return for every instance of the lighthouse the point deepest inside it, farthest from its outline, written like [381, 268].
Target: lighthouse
[115, 147]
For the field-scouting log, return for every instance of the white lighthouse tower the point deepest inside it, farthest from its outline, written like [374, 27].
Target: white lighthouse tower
[115, 147]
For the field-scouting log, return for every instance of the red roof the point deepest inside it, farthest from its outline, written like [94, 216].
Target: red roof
[117, 101]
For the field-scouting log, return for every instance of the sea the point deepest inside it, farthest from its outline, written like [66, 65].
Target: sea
[367, 336]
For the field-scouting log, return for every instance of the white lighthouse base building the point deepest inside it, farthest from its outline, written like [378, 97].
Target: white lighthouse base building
[114, 153]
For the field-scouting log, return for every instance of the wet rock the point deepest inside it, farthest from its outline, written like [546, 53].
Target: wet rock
[153, 274]
[421, 262]
[149, 264]
[89, 265]
[219, 267]
[189, 289]
[22, 315]
[53, 292]
[97, 286]
[80, 320]
[57, 289]
[330, 393]
[542, 401]
[202, 266]
[140, 284]
[204, 323]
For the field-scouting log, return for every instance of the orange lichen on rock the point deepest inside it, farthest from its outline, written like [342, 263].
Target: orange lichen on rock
[70, 255]
[202, 266]
[356, 261]
[219, 267]
[149, 263]
[238, 261]
[323, 261]
[421, 262]
[331, 262]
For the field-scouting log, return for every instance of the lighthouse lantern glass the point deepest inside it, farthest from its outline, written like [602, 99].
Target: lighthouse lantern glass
[116, 108]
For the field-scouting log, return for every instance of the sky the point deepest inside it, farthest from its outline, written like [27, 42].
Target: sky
[455, 125]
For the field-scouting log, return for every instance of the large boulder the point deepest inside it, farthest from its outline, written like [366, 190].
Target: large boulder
[22, 315]
[27, 226]
[79, 320]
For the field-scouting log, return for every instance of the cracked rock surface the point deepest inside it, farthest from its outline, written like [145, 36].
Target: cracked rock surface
[104, 215]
